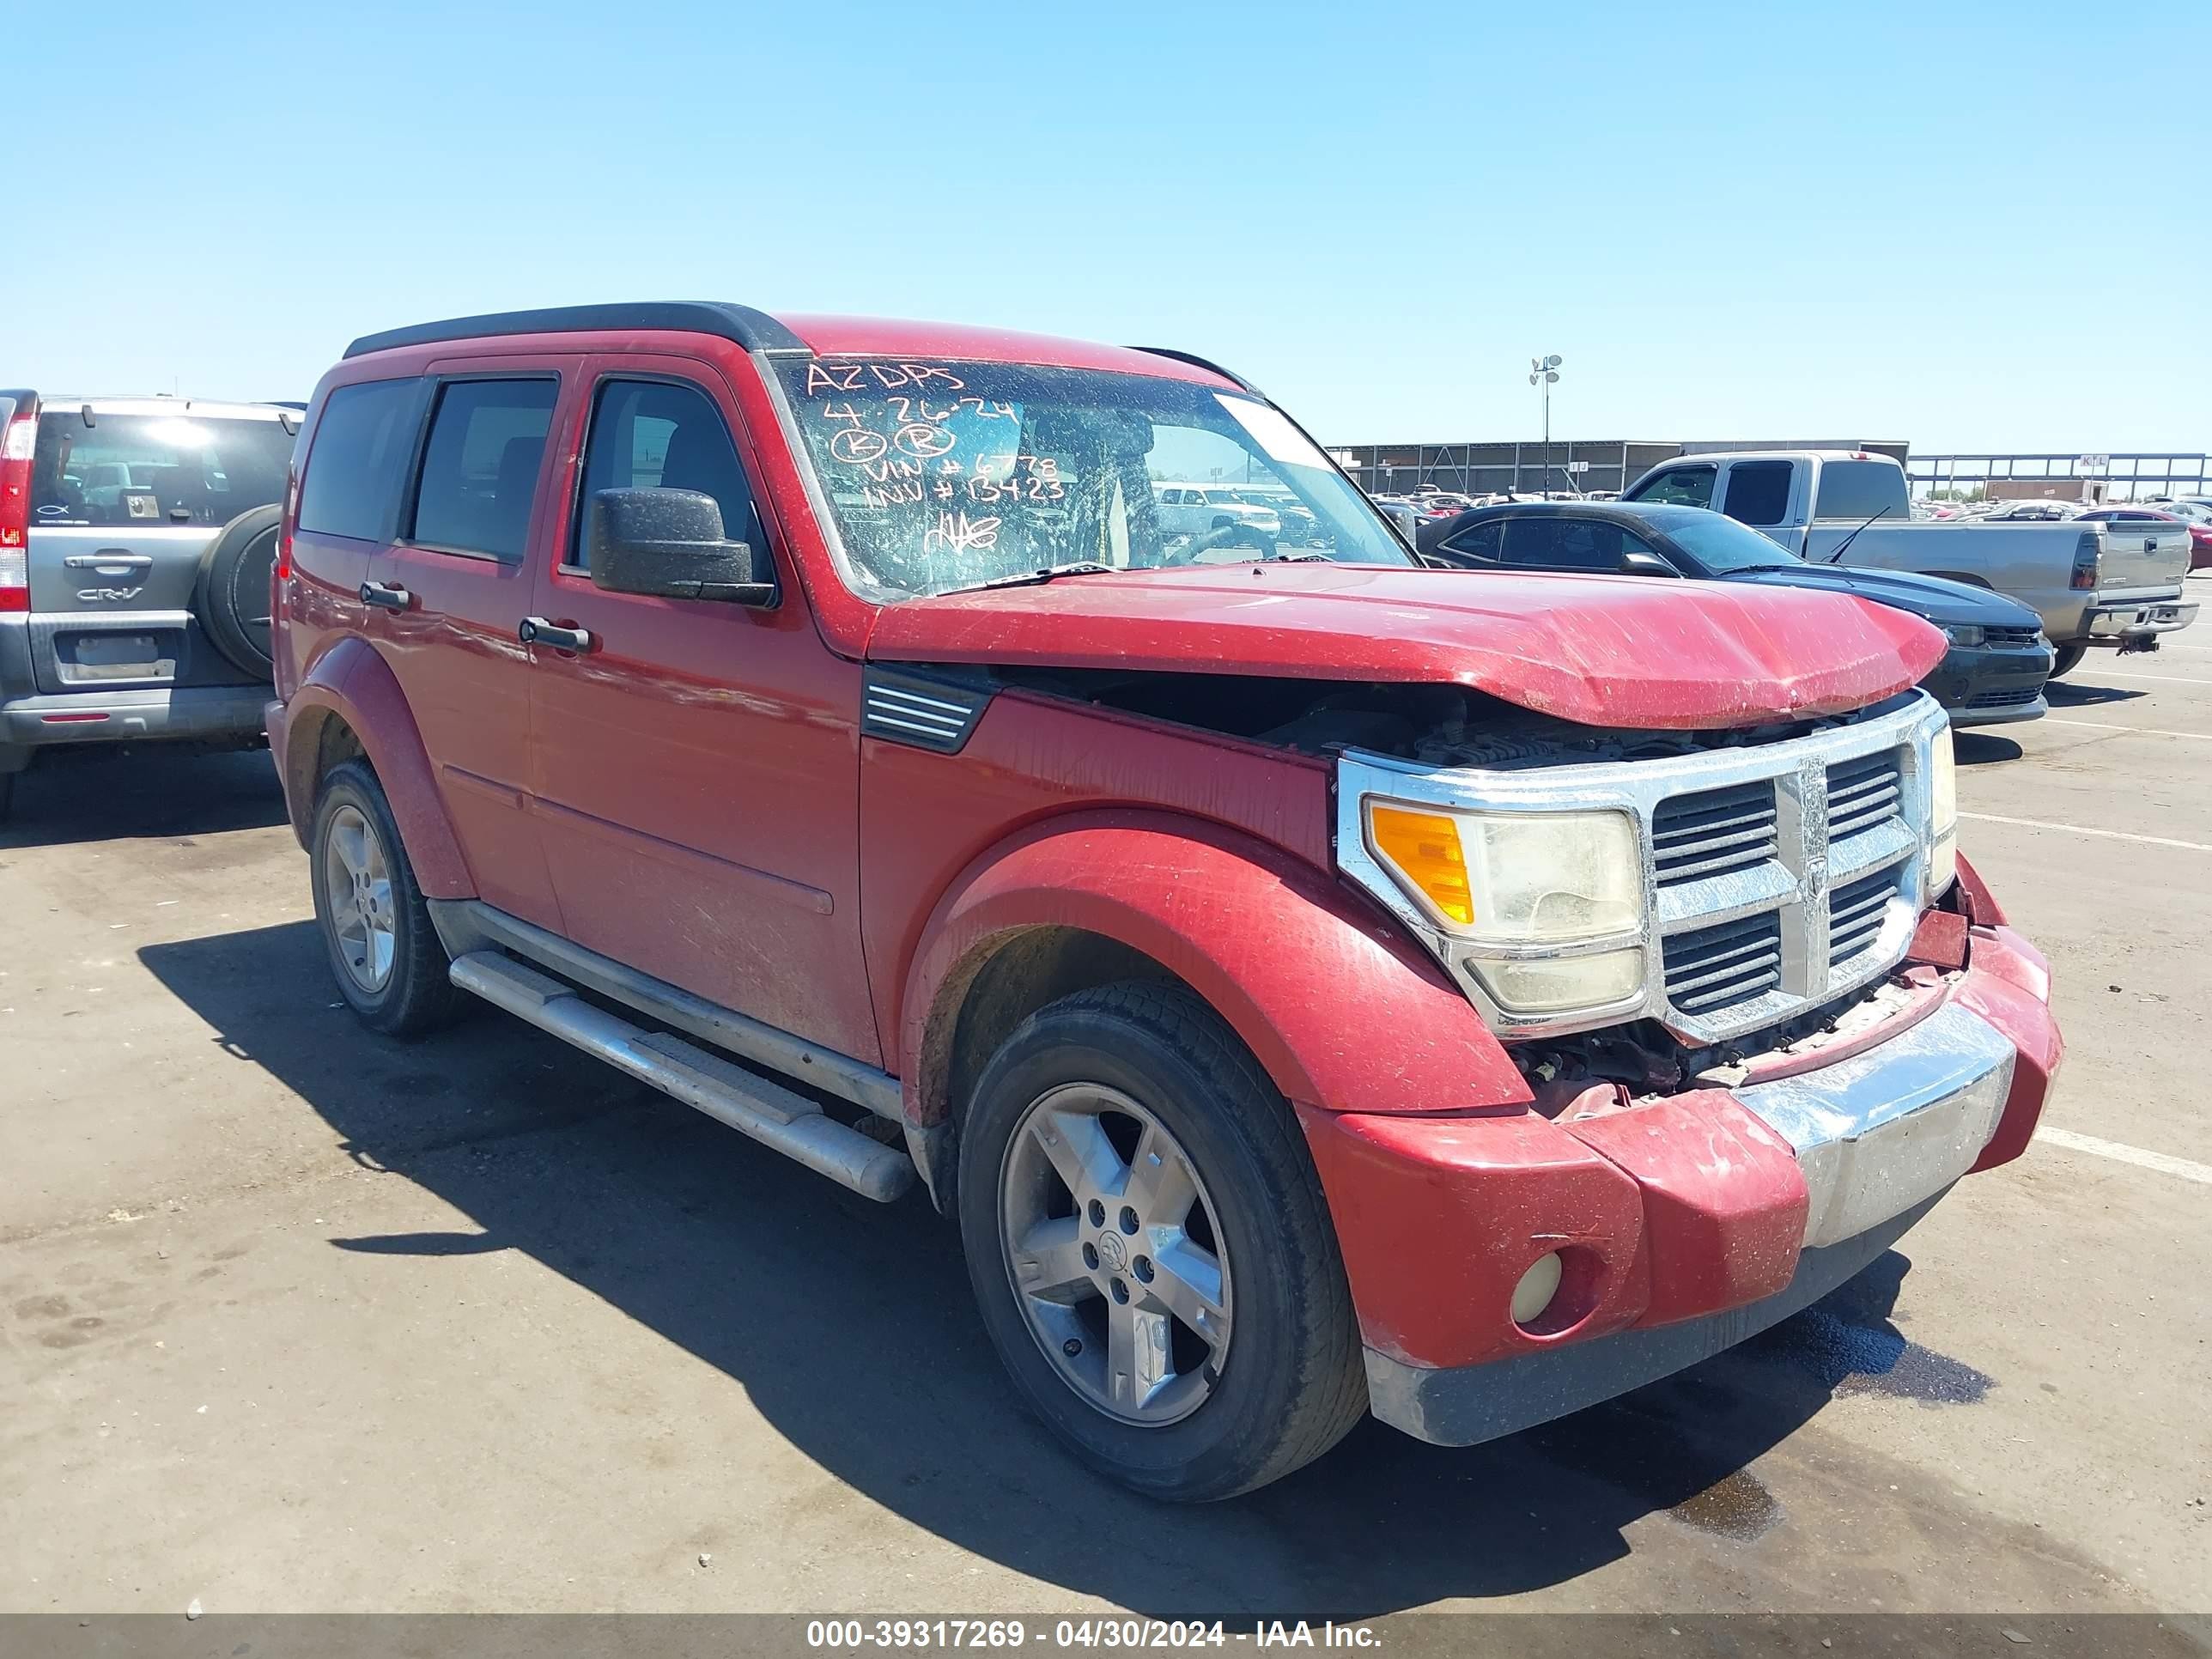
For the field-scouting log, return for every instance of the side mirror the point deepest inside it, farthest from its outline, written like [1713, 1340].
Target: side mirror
[1645, 564]
[668, 543]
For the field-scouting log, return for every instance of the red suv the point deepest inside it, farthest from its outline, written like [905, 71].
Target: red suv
[1313, 983]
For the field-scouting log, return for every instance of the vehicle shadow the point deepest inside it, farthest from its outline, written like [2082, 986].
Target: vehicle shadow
[849, 1326]
[153, 793]
[2082, 691]
[1976, 749]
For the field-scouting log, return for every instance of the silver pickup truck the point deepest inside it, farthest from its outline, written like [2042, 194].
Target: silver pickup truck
[2107, 585]
[136, 539]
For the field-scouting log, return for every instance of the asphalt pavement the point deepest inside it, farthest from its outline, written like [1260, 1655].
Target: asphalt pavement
[295, 1318]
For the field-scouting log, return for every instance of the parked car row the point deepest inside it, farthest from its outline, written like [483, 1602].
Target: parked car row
[1311, 982]
[1993, 671]
[2095, 585]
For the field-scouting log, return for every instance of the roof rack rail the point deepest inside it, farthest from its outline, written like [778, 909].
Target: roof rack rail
[1197, 361]
[756, 331]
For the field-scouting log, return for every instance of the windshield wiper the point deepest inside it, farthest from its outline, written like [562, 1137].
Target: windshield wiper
[1299, 558]
[1045, 573]
[1836, 556]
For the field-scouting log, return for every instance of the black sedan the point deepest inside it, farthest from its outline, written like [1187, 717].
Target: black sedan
[1994, 671]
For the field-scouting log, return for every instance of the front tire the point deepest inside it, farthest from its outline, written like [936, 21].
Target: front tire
[2069, 658]
[384, 952]
[1150, 1251]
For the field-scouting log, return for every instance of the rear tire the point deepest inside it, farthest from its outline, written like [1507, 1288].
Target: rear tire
[2069, 658]
[1095, 1083]
[376, 928]
[231, 597]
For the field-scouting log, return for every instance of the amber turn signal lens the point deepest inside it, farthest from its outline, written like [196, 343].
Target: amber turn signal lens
[1422, 848]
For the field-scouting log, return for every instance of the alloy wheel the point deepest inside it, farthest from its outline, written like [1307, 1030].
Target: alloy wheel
[1113, 1247]
[357, 897]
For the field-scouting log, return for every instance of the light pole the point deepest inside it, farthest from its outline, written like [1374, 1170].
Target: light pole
[1545, 371]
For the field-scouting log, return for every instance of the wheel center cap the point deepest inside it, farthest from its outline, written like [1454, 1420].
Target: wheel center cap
[1112, 1251]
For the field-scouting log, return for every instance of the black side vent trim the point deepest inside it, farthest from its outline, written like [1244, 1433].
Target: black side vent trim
[919, 710]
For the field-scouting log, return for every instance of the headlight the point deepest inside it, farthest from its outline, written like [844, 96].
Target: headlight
[1549, 906]
[1943, 792]
[1965, 634]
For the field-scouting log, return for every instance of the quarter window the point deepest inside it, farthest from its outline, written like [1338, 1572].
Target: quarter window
[1478, 544]
[480, 466]
[360, 453]
[657, 435]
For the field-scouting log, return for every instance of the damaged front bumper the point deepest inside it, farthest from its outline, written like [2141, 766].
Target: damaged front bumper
[1684, 1224]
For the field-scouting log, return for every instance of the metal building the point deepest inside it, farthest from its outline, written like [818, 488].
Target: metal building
[1581, 464]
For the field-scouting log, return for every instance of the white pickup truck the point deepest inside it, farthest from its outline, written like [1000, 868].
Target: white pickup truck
[2093, 585]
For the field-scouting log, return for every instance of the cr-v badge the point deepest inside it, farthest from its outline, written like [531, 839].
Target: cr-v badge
[116, 595]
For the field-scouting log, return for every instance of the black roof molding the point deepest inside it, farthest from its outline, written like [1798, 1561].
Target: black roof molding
[1197, 361]
[756, 331]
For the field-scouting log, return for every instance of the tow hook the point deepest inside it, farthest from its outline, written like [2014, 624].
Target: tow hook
[2133, 644]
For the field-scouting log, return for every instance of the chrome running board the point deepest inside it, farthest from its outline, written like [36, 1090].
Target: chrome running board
[775, 1117]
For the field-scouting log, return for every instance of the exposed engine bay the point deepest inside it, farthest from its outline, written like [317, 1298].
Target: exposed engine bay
[1444, 726]
[1455, 727]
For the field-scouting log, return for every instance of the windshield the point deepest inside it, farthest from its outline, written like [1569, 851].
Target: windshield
[1721, 544]
[180, 469]
[945, 475]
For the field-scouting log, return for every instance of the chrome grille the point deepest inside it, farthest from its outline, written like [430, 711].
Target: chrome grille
[1768, 867]
[1863, 792]
[1719, 967]
[2011, 635]
[1718, 829]
[1856, 913]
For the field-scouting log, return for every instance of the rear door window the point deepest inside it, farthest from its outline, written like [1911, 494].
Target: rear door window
[1680, 486]
[1759, 492]
[151, 471]
[480, 466]
[1548, 543]
[357, 458]
[649, 434]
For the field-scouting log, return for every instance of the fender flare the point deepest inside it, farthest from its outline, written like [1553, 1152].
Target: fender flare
[352, 682]
[1342, 1012]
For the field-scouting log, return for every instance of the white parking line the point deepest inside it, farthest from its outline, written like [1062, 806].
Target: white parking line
[2156, 679]
[2141, 731]
[2084, 830]
[2199, 1173]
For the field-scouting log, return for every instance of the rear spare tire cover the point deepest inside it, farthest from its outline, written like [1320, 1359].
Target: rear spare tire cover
[232, 596]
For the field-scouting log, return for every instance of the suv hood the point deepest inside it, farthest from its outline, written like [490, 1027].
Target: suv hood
[1610, 650]
[1938, 598]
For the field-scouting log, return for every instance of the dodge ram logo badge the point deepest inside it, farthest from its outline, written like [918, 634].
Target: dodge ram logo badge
[1112, 1251]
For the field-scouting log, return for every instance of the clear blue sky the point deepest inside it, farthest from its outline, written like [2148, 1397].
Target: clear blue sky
[1963, 224]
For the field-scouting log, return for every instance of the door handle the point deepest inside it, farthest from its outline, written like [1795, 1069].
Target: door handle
[114, 558]
[387, 597]
[537, 630]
